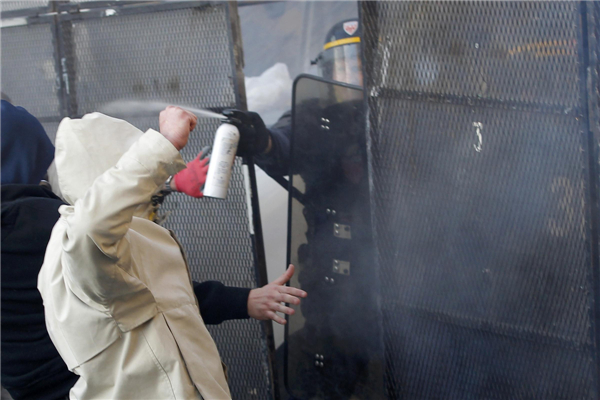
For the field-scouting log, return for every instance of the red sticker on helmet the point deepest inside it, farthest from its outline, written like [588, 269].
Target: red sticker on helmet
[350, 27]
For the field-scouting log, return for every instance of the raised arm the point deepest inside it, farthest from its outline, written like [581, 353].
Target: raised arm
[95, 246]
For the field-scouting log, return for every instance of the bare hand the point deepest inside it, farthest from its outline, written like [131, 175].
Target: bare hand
[176, 125]
[263, 303]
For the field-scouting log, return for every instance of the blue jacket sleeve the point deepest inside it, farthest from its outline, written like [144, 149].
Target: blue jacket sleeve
[220, 303]
[277, 162]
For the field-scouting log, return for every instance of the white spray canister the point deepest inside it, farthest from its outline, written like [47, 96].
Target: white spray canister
[221, 161]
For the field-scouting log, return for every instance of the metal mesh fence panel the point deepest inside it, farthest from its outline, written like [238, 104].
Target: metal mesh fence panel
[179, 56]
[481, 198]
[177, 53]
[28, 69]
[23, 4]
[524, 52]
[183, 57]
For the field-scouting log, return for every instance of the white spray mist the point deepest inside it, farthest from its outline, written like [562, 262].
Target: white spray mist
[128, 108]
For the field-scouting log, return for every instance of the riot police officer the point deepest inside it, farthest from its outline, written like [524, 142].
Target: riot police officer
[339, 318]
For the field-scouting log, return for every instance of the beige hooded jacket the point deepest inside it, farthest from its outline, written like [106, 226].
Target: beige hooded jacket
[117, 293]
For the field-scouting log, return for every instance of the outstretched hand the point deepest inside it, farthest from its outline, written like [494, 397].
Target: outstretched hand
[265, 302]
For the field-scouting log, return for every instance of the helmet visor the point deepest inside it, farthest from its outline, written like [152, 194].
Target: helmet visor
[342, 64]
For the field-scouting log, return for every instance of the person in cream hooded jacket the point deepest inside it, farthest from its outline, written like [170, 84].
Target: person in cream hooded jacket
[118, 298]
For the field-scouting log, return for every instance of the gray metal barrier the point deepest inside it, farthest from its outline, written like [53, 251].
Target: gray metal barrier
[69, 58]
[481, 125]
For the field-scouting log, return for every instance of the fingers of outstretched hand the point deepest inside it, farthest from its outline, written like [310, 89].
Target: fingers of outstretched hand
[292, 291]
[282, 309]
[287, 275]
[276, 318]
[286, 298]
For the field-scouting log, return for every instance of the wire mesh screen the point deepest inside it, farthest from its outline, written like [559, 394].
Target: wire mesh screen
[22, 4]
[183, 57]
[524, 52]
[177, 53]
[480, 191]
[28, 69]
[179, 56]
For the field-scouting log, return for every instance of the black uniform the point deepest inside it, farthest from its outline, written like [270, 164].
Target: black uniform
[341, 319]
[277, 162]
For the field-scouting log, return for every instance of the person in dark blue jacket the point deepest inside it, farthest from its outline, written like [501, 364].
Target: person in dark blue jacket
[31, 366]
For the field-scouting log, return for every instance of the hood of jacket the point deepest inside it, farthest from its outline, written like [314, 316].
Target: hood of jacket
[88, 147]
[27, 152]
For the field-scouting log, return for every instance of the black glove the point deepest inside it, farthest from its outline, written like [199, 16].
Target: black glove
[254, 135]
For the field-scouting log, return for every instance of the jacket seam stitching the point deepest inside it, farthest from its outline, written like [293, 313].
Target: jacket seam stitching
[155, 359]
